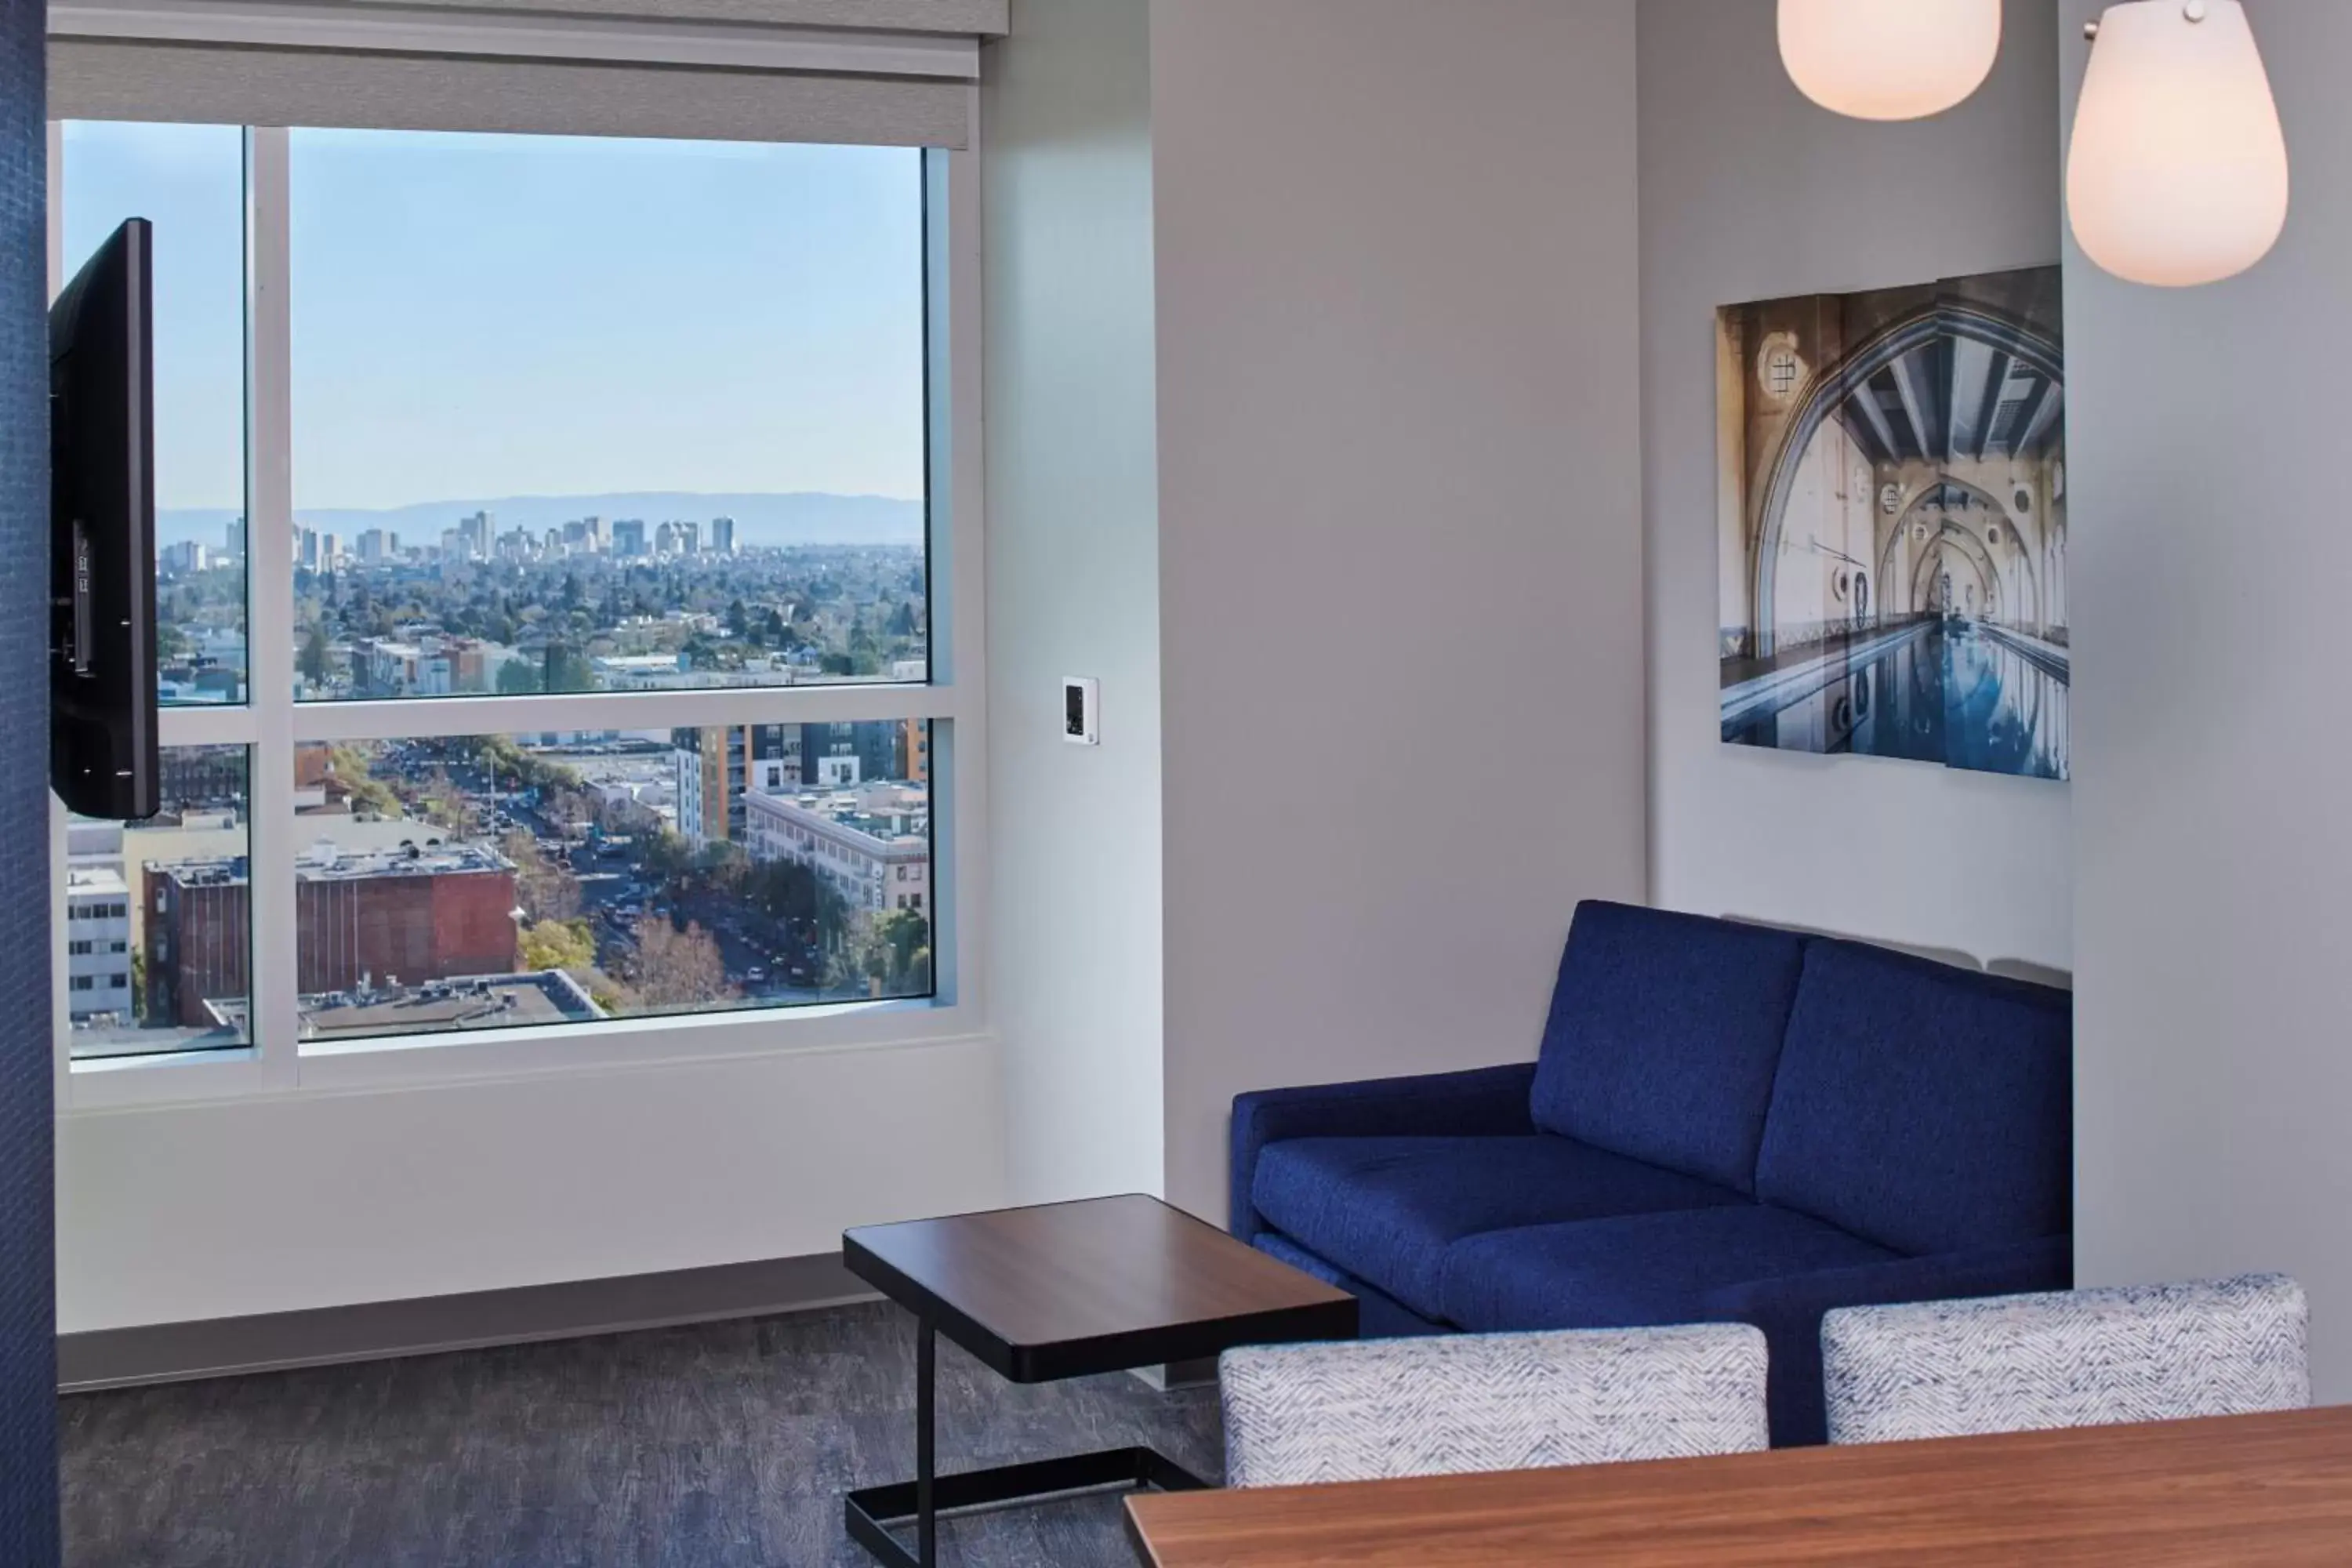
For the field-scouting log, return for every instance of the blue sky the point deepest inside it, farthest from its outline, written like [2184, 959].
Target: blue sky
[481, 316]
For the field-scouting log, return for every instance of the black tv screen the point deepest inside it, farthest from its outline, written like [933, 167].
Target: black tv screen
[103, 746]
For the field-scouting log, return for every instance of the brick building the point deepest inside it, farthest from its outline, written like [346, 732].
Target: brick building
[400, 916]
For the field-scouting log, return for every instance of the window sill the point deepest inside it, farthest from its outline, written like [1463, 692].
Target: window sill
[440, 1060]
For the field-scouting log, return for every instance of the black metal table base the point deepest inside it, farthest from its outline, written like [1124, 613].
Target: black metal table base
[870, 1512]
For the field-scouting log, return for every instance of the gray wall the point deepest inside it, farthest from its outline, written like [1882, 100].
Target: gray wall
[2213, 1072]
[1073, 589]
[1750, 191]
[1399, 531]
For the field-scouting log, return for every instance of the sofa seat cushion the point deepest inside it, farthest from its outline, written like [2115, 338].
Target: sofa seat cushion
[1663, 1036]
[1637, 1270]
[1927, 1108]
[1385, 1209]
[1378, 1315]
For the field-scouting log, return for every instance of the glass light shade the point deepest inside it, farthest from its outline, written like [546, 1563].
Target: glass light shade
[2177, 174]
[1889, 59]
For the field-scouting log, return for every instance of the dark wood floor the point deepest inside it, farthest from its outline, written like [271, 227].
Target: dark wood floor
[725, 1446]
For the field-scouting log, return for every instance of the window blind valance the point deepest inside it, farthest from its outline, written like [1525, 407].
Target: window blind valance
[883, 72]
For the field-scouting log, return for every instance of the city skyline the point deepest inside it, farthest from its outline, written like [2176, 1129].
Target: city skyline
[767, 519]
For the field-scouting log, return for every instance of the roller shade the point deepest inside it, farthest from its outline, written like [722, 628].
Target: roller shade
[882, 72]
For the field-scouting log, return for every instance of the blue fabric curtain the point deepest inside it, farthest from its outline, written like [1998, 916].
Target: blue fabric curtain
[29, 1396]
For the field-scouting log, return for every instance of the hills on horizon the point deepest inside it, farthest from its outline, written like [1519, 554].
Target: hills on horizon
[769, 521]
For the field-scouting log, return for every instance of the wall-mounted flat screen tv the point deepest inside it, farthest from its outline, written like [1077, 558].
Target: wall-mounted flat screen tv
[102, 742]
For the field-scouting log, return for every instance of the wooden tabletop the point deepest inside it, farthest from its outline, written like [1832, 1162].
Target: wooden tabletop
[1101, 1284]
[2236, 1490]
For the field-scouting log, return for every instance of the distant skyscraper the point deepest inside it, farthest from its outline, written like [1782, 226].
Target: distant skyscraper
[629, 538]
[722, 536]
[666, 538]
[309, 549]
[598, 540]
[233, 540]
[689, 538]
[330, 547]
[476, 533]
[371, 546]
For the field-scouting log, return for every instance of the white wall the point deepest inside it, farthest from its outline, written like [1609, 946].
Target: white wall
[1073, 589]
[1748, 192]
[2213, 1056]
[327, 1199]
[1399, 531]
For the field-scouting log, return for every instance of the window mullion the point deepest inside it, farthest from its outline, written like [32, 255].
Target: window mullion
[269, 568]
[403, 718]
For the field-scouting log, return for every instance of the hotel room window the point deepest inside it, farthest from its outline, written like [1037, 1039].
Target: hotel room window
[592, 588]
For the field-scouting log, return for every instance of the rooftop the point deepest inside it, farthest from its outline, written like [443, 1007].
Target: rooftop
[895, 816]
[419, 854]
[480, 1002]
[328, 861]
[93, 880]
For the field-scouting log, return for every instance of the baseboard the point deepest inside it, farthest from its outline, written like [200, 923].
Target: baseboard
[278, 1341]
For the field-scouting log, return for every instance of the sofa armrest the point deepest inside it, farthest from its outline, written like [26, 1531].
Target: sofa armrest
[1483, 1102]
[1790, 1311]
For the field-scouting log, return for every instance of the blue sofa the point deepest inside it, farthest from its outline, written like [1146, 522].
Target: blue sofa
[1726, 1123]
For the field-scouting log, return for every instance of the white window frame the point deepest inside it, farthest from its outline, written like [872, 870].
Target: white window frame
[954, 701]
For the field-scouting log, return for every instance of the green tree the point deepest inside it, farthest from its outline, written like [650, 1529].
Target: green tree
[518, 678]
[559, 944]
[665, 856]
[369, 793]
[313, 658]
[899, 954]
[567, 668]
[794, 894]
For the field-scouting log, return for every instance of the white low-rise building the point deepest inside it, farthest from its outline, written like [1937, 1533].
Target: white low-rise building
[98, 942]
[874, 845]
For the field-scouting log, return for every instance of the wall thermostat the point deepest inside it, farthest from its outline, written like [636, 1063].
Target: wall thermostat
[1081, 711]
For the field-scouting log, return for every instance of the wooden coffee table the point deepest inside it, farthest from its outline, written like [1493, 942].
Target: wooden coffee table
[1066, 1291]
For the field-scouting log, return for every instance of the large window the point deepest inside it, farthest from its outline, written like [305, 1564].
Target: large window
[590, 597]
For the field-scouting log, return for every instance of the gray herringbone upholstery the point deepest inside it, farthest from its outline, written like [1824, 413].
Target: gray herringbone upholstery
[1457, 1404]
[2080, 1358]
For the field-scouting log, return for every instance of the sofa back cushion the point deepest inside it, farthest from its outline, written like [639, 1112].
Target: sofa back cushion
[1665, 1029]
[1926, 1108]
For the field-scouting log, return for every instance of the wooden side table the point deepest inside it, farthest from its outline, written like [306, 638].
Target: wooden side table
[1066, 1291]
